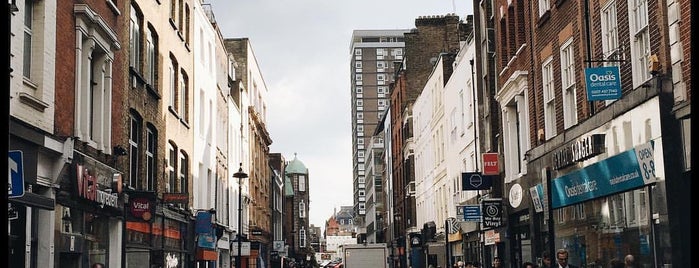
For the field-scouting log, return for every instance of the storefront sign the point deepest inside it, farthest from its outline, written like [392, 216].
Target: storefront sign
[206, 241]
[471, 181]
[490, 164]
[579, 150]
[204, 223]
[471, 212]
[278, 245]
[537, 194]
[141, 208]
[492, 212]
[515, 195]
[491, 237]
[175, 198]
[603, 83]
[245, 248]
[622, 172]
[87, 188]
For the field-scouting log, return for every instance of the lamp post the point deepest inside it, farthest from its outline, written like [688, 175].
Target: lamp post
[240, 175]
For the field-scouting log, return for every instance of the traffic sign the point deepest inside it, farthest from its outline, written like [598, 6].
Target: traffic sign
[15, 173]
[475, 181]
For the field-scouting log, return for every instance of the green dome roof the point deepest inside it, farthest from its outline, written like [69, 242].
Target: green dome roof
[296, 167]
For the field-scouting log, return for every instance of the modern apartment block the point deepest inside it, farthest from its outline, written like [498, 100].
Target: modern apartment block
[373, 53]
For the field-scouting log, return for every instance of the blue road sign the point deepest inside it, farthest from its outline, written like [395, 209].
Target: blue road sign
[15, 173]
[475, 181]
[472, 212]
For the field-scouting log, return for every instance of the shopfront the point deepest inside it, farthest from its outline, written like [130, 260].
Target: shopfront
[89, 215]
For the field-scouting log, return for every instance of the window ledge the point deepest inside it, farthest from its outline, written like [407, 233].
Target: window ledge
[173, 24]
[172, 111]
[184, 123]
[544, 18]
[186, 45]
[113, 7]
[179, 34]
[153, 91]
[33, 102]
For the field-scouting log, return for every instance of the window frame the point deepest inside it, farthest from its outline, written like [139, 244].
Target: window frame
[568, 85]
[549, 97]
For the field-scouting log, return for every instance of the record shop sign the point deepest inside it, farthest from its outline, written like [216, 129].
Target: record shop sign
[578, 150]
[492, 212]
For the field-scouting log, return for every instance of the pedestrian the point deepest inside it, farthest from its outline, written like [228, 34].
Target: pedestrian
[562, 258]
[616, 263]
[545, 260]
[97, 265]
[459, 264]
[497, 262]
[527, 264]
[629, 261]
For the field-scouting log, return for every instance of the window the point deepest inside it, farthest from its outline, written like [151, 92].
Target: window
[358, 77]
[172, 70]
[183, 173]
[171, 164]
[360, 128]
[302, 237]
[302, 183]
[135, 40]
[358, 64]
[302, 209]
[359, 90]
[358, 51]
[549, 98]
[93, 87]
[380, 79]
[610, 33]
[640, 38]
[380, 65]
[134, 142]
[27, 53]
[360, 103]
[186, 23]
[151, 67]
[570, 107]
[183, 108]
[544, 6]
[151, 156]
[397, 53]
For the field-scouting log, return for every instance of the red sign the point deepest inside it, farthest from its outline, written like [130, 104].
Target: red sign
[490, 164]
[141, 208]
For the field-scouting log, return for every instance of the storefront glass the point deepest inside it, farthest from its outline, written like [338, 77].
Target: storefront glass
[596, 231]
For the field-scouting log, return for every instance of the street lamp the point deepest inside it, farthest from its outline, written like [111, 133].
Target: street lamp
[240, 175]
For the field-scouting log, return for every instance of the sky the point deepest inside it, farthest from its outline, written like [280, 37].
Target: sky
[303, 50]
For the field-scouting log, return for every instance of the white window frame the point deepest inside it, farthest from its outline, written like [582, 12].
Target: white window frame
[151, 59]
[151, 164]
[357, 51]
[568, 89]
[544, 5]
[182, 170]
[640, 41]
[302, 237]
[134, 144]
[358, 65]
[172, 69]
[183, 85]
[549, 97]
[135, 40]
[28, 37]
[93, 86]
[302, 183]
[171, 167]
[302, 209]
[610, 31]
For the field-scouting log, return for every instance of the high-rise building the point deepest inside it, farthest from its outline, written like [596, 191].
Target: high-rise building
[373, 54]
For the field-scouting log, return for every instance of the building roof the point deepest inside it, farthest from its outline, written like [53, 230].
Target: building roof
[296, 167]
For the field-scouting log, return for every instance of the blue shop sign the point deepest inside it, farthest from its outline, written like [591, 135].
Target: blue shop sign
[622, 172]
[603, 83]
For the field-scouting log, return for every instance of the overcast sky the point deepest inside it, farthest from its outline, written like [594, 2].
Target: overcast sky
[302, 47]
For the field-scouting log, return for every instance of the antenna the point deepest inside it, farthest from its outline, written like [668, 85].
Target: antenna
[453, 7]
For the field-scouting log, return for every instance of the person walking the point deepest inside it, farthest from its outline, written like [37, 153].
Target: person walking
[527, 264]
[545, 260]
[497, 262]
[562, 259]
[629, 261]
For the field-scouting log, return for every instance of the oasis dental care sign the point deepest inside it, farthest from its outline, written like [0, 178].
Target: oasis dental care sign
[603, 83]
